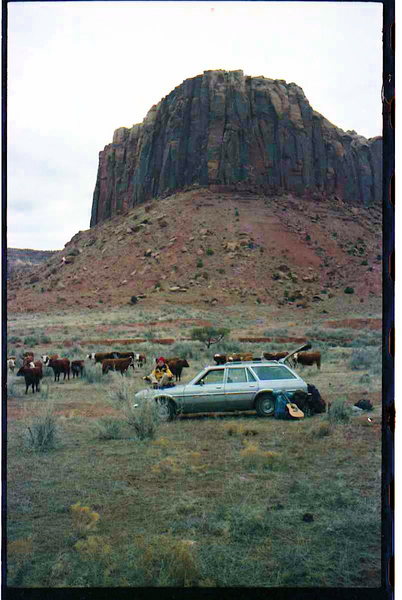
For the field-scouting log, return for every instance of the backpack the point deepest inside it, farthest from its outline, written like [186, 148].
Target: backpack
[280, 410]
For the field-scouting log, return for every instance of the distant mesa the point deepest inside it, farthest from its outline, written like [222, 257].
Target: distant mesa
[229, 131]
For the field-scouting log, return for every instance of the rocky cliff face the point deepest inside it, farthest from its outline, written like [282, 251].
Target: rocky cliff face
[225, 130]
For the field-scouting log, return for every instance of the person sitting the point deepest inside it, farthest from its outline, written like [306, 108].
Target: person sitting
[161, 376]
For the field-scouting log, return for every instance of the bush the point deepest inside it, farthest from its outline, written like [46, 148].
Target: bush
[109, 428]
[349, 290]
[338, 412]
[93, 373]
[366, 358]
[13, 389]
[166, 561]
[199, 263]
[209, 335]
[41, 433]
[142, 416]
[209, 252]
[30, 340]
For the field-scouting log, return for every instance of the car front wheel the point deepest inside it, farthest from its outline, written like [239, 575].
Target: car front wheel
[166, 409]
[265, 405]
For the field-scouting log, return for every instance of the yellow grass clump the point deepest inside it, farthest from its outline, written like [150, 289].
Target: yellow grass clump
[254, 457]
[83, 518]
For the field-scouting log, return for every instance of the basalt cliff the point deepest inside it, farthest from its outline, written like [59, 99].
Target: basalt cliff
[226, 131]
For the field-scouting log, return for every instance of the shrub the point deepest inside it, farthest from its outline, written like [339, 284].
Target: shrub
[209, 335]
[30, 340]
[109, 428]
[338, 412]
[13, 389]
[41, 433]
[209, 252]
[236, 212]
[166, 561]
[93, 373]
[83, 519]
[320, 431]
[199, 263]
[143, 416]
[255, 458]
[14, 339]
[349, 290]
[45, 339]
[366, 358]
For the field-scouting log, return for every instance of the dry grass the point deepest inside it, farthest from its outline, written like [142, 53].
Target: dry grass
[210, 501]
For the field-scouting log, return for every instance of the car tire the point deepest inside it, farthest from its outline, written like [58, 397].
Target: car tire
[167, 408]
[265, 405]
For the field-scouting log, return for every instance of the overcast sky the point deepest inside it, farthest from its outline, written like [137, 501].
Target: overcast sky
[79, 70]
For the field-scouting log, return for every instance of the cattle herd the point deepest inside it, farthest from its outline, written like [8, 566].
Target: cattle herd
[32, 370]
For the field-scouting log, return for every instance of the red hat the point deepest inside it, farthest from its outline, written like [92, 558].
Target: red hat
[161, 359]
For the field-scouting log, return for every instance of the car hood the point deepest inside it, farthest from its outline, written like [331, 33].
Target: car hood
[177, 390]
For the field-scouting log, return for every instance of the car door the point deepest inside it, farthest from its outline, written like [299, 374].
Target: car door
[206, 394]
[240, 388]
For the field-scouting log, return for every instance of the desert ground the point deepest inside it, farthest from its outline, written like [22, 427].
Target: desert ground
[213, 500]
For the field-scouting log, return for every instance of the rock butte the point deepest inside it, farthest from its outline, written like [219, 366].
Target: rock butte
[228, 131]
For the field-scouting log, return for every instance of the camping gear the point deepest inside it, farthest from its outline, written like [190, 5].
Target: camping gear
[294, 411]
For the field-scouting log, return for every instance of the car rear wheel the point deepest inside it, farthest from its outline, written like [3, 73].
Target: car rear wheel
[265, 405]
[166, 408]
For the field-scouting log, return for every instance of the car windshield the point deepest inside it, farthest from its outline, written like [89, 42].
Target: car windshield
[275, 372]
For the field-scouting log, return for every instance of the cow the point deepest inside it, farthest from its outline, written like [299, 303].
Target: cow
[220, 359]
[248, 356]
[77, 368]
[27, 357]
[32, 377]
[60, 365]
[98, 357]
[176, 366]
[124, 355]
[274, 355]
[11, 363]
[37, 364]
[140, 359]
[307, 359]
[117, 364]
[45, 358]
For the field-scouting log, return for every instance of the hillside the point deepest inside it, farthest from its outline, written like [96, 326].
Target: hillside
[212, 247]
[23, 260]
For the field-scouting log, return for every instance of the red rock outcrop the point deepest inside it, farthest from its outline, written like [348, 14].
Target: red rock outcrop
[223, 128]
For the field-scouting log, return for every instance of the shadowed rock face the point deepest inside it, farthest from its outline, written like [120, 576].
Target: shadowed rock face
[226, 129]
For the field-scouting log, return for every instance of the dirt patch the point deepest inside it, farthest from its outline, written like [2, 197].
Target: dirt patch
[355, 324]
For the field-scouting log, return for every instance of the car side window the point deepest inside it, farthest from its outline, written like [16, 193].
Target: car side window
[251, 376]
[236, 375]
[214, 376]
[273, 372]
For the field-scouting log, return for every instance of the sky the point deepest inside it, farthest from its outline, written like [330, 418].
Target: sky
[79, 70]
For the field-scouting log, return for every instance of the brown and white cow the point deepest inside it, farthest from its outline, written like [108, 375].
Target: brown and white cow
[140, 359]
[307, 359]
[11, 363]
[220, 359]
[45, 358]
[98, 357]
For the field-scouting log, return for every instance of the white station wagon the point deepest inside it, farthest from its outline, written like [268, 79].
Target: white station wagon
[234, 386]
